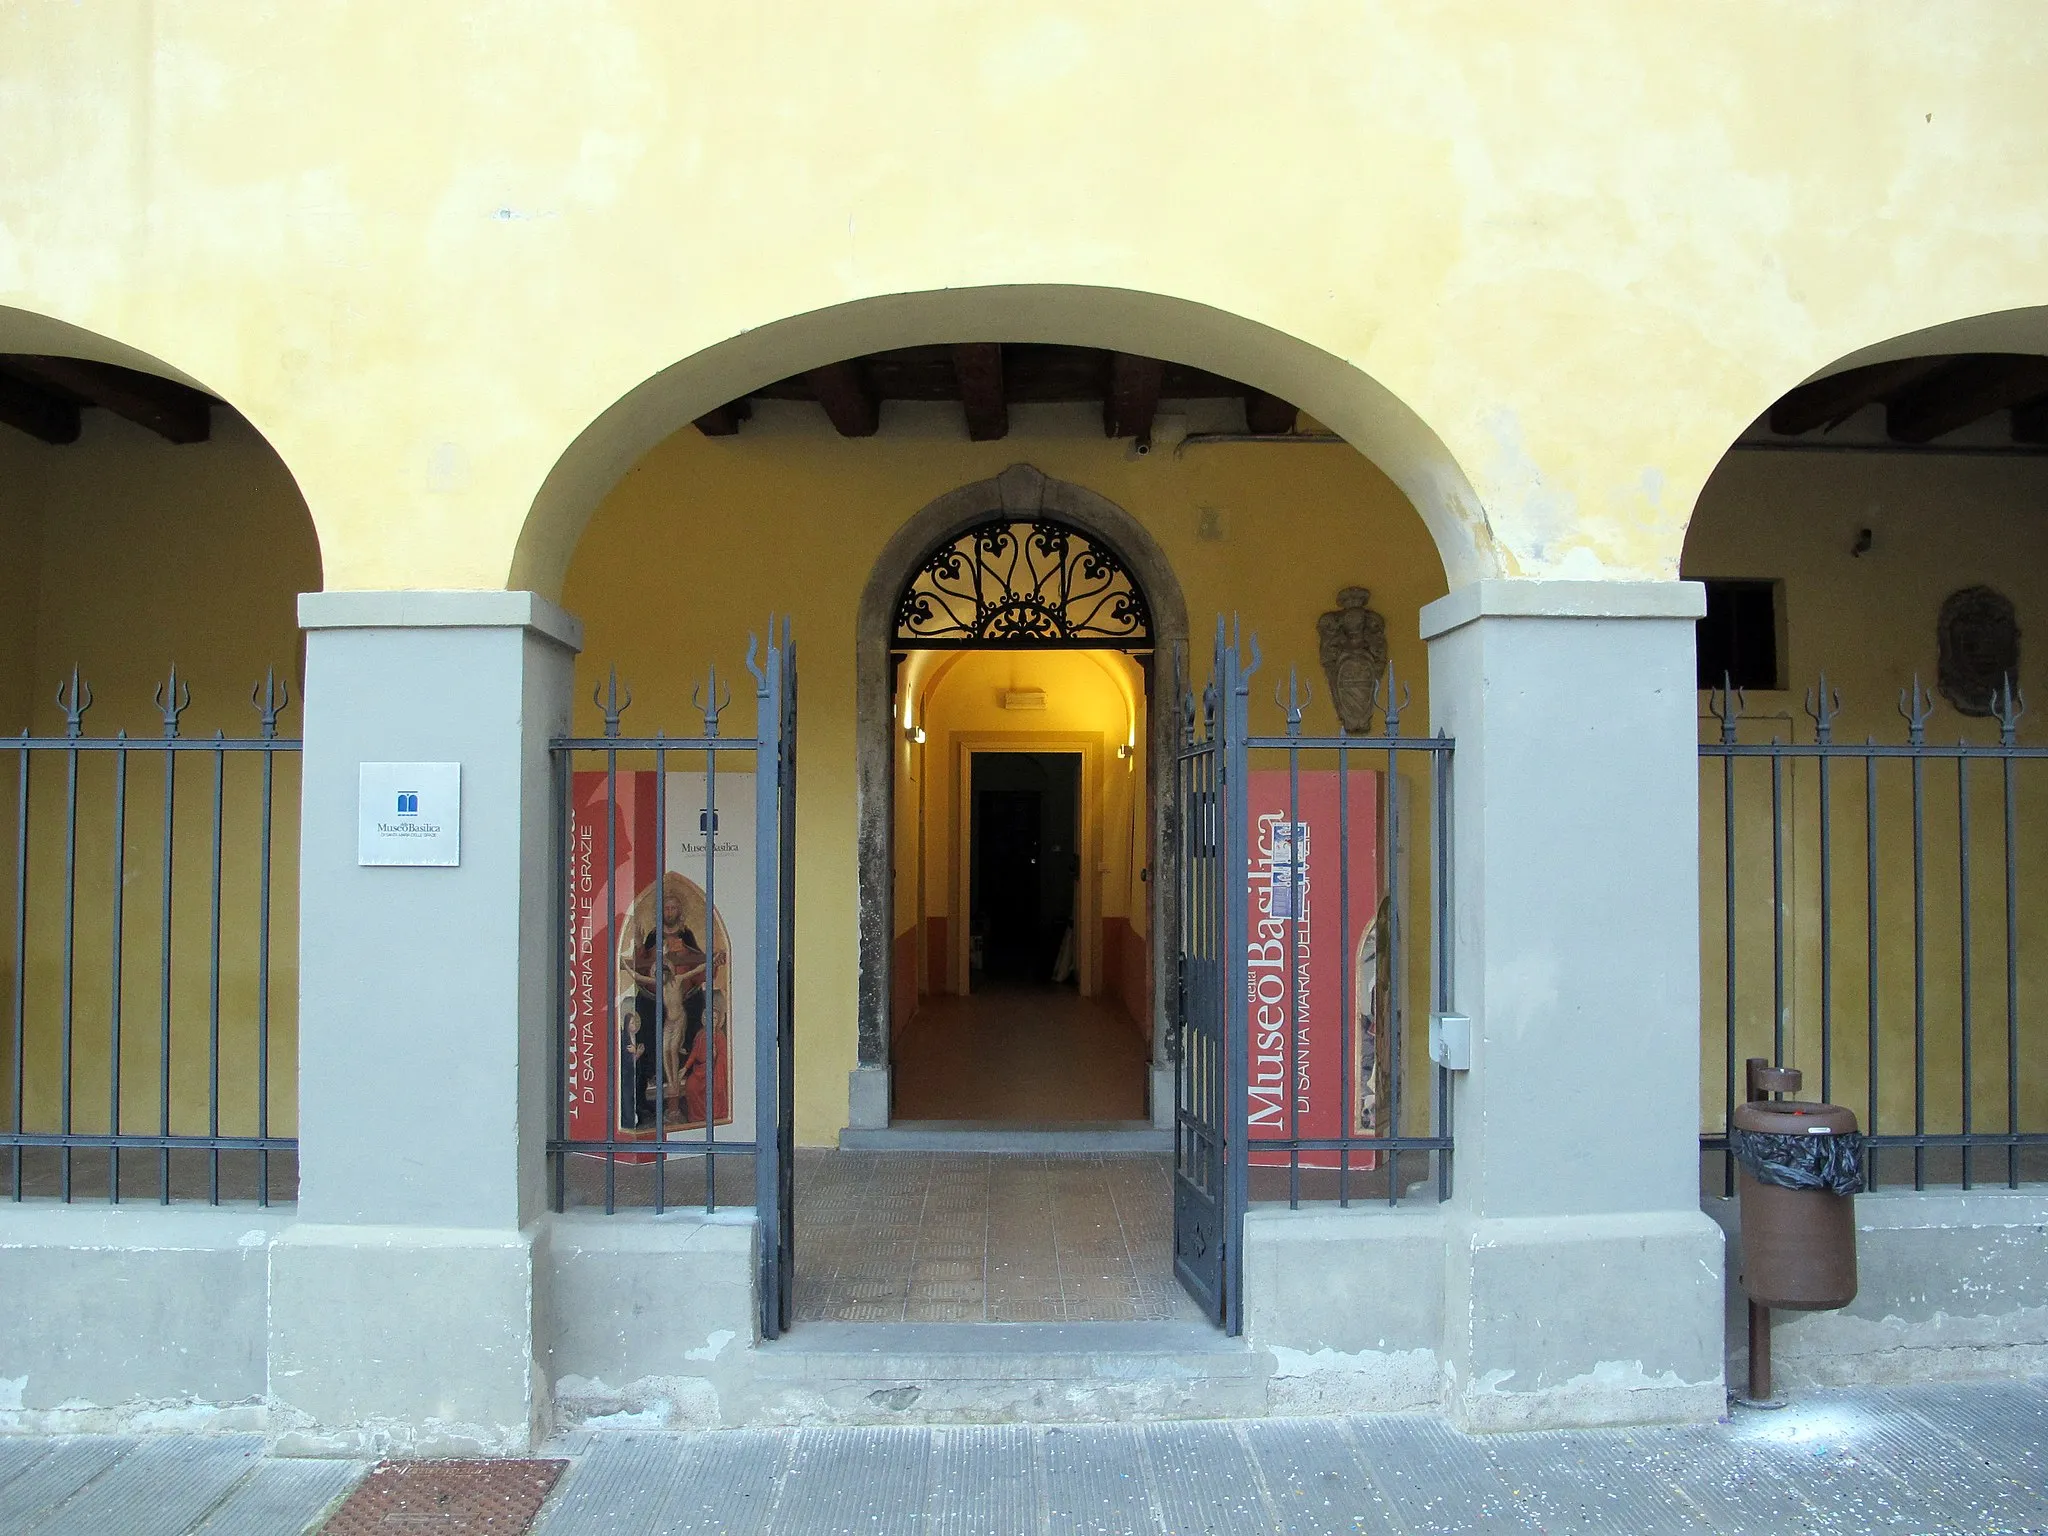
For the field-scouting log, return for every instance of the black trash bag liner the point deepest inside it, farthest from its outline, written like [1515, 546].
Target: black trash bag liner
[1833, 1163]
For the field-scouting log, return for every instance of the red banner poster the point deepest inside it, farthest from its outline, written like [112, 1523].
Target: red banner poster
[638, 962]
[1309, 969]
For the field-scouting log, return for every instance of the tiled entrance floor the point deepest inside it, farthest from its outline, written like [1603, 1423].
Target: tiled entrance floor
[970, 1237]
[1036, 1054]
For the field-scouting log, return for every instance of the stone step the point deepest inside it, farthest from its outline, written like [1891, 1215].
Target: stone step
[982, 1373]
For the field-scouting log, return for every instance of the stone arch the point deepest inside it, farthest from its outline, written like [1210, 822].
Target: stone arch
[158, 531]
[1329, 388]
[2008, 330]
[28, 331]
[1021, 491]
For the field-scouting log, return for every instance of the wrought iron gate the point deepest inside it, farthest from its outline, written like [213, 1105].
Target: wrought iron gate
[1296, 1088]
[775, 987]
[640, 1092]
[1209, 1072]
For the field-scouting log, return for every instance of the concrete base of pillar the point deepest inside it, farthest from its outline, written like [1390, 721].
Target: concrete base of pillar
[132, 1319]
[651, 1320]
[1556, 1322]
[867, 1098]
[1349, 1305]
[404, 1341]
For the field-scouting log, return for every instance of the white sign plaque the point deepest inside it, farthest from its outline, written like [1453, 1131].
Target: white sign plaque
[410, 814]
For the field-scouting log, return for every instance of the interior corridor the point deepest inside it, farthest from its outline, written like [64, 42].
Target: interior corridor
[1022, 1054]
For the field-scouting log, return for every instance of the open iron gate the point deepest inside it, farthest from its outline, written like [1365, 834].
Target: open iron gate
[1210, 1070]
[775, 986]
[620, 990]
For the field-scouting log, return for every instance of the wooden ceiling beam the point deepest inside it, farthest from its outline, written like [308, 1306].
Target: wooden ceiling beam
[36, 411]
[176, 412]
[978, 366]
[1267, 415]
[1132, 400]
[1833, 400]
[1964, 390]
[849, 402]
[725, 420]
[2030, 421]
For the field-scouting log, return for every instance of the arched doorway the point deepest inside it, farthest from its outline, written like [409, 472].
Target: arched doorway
[1014, 566]
[1056, 786]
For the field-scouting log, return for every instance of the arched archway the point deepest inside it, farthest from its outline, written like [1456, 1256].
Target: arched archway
[706, 531]
[1329, 388]
[1839, 538]
[1020, 492]
[153, 547]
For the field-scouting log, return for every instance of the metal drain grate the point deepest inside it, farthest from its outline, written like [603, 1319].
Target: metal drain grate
[446, 1498]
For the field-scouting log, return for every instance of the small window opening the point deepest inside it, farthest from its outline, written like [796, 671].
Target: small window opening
[1738, 639]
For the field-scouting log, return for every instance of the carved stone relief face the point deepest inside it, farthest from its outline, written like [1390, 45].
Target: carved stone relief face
[1978, 636]
[1353, 648]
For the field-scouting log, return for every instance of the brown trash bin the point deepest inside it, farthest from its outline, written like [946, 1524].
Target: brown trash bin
[1798, 1245]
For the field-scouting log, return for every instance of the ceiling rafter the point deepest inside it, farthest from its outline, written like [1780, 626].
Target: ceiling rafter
[39, 413]
[1268, 415]
[1833, 400]
[176, 412]
[978, 369]
[1963, 390]
[1131, 402]
[851, 404]
[988, 379]
[2030, 421]
[724, 420]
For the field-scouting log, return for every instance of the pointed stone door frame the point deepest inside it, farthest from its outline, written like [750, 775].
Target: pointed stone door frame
[1021, 492]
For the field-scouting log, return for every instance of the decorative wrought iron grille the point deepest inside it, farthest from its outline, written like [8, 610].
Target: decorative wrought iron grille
[1031, 583]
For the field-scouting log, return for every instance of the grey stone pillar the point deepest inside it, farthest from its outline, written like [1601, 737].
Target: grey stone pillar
[403, 1302]
[1584, 1283]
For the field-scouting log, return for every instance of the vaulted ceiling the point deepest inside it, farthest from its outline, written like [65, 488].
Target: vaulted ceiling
[1926, 397]
[987, 378]
[1923, 398]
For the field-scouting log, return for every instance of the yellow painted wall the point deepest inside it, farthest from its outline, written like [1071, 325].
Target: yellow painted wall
[1541, 262]
[140, 554]
[1869, 621]
[23, 469]
[705, 536]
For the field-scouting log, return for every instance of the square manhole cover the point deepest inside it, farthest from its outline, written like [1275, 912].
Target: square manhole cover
[445, 1498]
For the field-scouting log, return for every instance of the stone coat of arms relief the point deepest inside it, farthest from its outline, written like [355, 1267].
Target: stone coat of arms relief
[1353, 647]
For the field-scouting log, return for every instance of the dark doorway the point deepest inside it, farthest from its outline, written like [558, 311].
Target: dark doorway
[1025, 836]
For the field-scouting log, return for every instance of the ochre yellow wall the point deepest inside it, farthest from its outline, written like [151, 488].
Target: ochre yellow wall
[23, 466]
[704, 537]
[137, 554]
[1868, 621]
[1541, 261]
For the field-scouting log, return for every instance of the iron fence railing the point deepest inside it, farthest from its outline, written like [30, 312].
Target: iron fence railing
[1897, 960]
[1348, 848]
[145, 947]
[674, 979]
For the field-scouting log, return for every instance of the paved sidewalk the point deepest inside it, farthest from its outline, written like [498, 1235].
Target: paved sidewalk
[1924, 1459]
